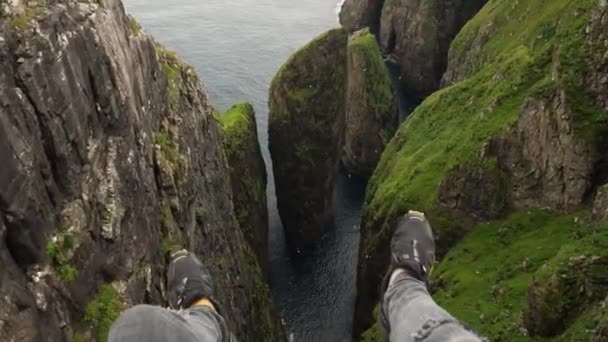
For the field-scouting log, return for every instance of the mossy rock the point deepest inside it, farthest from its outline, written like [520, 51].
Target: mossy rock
[371, 106]
[247, 176]
[566, 284]
[531, 50]
[305, 135]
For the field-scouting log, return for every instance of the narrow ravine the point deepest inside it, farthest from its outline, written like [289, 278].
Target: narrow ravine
[316, 292]
[237, 47]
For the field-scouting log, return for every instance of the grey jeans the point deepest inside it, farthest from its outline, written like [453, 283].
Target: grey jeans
[410, 314]
[148, 323]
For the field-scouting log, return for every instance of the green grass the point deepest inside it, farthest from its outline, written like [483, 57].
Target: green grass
[247, 177]
[171, 159]
[527, 42]
[169, 246]
[166, 216]
[553, 26]
[58, 249]
[134, 26]
[509, 52]
[239, 128]
[24, 21]
[376, 332]
[484, 280]
[103, 310]
[172, 68]
[378, 88]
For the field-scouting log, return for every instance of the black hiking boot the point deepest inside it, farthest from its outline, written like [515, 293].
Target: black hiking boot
[188, 280]
[413, 247]
[412, 252]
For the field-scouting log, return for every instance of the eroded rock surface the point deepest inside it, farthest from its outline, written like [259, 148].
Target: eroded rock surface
[358, 14]
[547, 163]
[248, 176]
[306, 132]
[417, 35]
[110, 157]
[371, 106]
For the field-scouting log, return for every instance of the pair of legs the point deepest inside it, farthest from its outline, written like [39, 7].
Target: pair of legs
[408, 311]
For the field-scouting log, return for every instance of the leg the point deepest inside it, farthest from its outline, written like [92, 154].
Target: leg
[414, 316]
[153, 323]
[408, 311]
[195, 318]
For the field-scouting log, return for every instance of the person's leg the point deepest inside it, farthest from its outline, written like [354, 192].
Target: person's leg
[153, 323]
[195, 318]
[408, 311]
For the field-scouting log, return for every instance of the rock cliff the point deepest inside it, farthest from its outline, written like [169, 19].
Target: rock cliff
[357, 15]
[248, 177]
[306, 129]
[111, 157]
[371, 106]
[416, 34]
[521, 124]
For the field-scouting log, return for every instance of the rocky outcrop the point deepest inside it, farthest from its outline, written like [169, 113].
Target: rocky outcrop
[110, 158]
[416, 34]
[481, 190]
[572, 281]
[547, 163]
[305, 134]
[371, 106]
[358, 14]
[248, 177]
[520, 127]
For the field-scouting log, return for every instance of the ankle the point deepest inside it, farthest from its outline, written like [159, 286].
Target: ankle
[398, 273]
[203, 302]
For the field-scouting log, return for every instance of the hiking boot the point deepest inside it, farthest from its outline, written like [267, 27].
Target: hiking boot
[188, 280]
[413, 247]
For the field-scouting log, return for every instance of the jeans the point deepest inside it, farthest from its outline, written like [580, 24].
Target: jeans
[410, 314]
[148, 323]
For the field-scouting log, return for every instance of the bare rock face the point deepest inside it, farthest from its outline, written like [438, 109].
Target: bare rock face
[479, 190]
[111, 157]
[358, 14]
[417, 34]
[600, 204]
[371, 107]
[548, 164]
[306, 131]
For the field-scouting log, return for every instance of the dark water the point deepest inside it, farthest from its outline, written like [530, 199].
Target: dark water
[237, 47]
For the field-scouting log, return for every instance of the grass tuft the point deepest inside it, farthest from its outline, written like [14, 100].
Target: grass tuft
[103, 310]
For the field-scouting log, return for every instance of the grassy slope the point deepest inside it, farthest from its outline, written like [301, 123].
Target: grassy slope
[451, 126]
[516, 61]
[484, 280]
